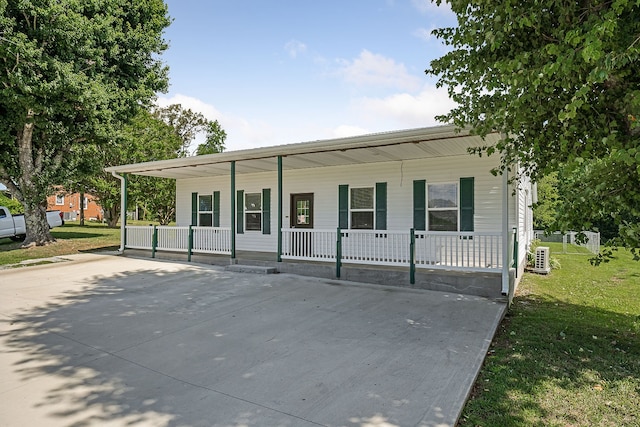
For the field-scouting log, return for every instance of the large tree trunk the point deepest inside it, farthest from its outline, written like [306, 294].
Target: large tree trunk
[82, 208]
[32, 194]
[114, 215]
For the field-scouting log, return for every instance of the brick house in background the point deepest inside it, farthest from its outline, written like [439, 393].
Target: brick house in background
[69, 205]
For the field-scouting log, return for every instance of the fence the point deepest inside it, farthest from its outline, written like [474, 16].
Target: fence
[569, 241]
[428, 250]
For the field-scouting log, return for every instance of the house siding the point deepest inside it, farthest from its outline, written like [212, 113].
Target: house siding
[323, 183]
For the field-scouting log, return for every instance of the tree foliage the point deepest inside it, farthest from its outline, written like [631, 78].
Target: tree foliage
[144, 138]
[560, 80]
[70, 73]
[545, 212]
[215, 140]
[186, 123]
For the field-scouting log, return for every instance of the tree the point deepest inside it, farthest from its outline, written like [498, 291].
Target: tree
[187, 124]
[560, 80]
[545, 212]
[70, 73]
[144, 138]
[215, 140]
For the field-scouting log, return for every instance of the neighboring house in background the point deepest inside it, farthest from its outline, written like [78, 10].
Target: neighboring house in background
[69, 205]
[409, 208]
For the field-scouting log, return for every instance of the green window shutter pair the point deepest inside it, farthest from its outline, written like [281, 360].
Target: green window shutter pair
[266, 211]
[380, 208]
[216, 209]
[466, 204]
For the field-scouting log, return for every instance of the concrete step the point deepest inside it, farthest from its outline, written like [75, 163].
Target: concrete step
[256, 269]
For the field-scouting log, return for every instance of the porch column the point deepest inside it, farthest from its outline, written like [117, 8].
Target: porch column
[233, 209]
[279, 259]
[505, 233]
[123, 212]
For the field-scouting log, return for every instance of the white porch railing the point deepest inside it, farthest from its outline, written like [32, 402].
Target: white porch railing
[463, 250]
[309, 245]
[139, 237]
[433, 250]
[379, 247]
[173, 238]
[212, 240]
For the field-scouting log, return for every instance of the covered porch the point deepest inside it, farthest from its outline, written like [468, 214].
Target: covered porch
[409, 253]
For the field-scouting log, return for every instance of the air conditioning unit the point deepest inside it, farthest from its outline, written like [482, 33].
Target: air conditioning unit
[542, 260]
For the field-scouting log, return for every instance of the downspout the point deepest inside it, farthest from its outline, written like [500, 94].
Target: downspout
[123, 209]
[505, 233]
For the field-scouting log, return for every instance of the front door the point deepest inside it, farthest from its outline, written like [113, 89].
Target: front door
[302, 218]
[302, 210]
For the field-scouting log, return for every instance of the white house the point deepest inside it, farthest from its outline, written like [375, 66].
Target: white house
[408, 208]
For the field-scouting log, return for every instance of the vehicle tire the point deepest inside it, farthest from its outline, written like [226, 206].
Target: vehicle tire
[18, 238]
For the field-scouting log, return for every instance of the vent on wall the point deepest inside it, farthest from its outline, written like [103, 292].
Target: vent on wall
[542, 260]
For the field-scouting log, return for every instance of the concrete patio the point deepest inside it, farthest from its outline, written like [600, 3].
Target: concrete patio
[104, 340]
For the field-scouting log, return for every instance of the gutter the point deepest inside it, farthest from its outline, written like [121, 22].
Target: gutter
[123, 209]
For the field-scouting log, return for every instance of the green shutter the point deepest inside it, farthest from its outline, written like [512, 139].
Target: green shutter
[343, 206]
[194, 208]
[381, 206]
[240, 213]
[266, 211]
[466, 204]
[419, 205]
[216, 209]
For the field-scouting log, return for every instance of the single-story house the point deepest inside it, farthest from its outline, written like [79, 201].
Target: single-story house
[408, 208]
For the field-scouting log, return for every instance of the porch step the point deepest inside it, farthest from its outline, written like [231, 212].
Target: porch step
[256, 269]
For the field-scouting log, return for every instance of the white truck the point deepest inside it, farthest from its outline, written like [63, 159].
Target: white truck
[13, 227]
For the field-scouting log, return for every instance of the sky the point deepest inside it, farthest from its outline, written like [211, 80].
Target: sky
[285, 71]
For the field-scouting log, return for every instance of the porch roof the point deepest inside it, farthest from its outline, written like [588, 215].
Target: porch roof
[440, 141]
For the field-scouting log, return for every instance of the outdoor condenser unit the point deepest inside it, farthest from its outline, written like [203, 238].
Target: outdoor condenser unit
[542, 260]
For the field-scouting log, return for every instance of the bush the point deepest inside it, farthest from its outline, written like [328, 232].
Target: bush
[15, 207]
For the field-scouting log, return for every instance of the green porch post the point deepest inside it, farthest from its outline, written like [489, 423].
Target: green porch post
[279, 259]
[412, 259]
[154, 242]
[515, 250]
[125, 202]
[190, 243]
[233, 209]
[338, 252]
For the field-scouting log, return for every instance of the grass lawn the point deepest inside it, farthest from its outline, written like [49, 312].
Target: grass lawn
[568, 352]
[71, 239]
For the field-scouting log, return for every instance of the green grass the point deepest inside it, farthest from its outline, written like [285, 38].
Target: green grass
[71, 239]
[568, 352]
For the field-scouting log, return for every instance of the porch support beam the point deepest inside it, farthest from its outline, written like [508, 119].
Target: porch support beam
[123, 209]
[505, 233]
[233, 209]
[279, 259]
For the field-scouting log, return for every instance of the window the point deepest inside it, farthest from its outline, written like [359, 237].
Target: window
[362, 208]
[205, 210]
[253, 211]
[85, 203]
[443, 207]
[59, 199]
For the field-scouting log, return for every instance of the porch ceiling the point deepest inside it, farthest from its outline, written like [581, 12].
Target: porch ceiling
[433, 142]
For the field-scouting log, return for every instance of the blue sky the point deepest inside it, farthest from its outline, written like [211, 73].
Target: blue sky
[284, 71]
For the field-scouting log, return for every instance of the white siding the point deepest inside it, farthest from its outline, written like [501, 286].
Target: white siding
[324, 182]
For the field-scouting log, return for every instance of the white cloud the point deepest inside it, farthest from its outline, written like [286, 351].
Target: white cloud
[376, 70]
[295, 47]
[406, 109]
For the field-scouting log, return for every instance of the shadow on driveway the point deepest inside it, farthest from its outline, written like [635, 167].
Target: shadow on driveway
[106, 340]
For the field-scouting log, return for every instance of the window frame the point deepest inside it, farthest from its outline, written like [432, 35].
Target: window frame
[443, 209]
[372, 210]
[257, 211]
[205, 212]
[59, 199]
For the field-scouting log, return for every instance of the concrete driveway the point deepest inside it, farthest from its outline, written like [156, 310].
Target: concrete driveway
[102, 340]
